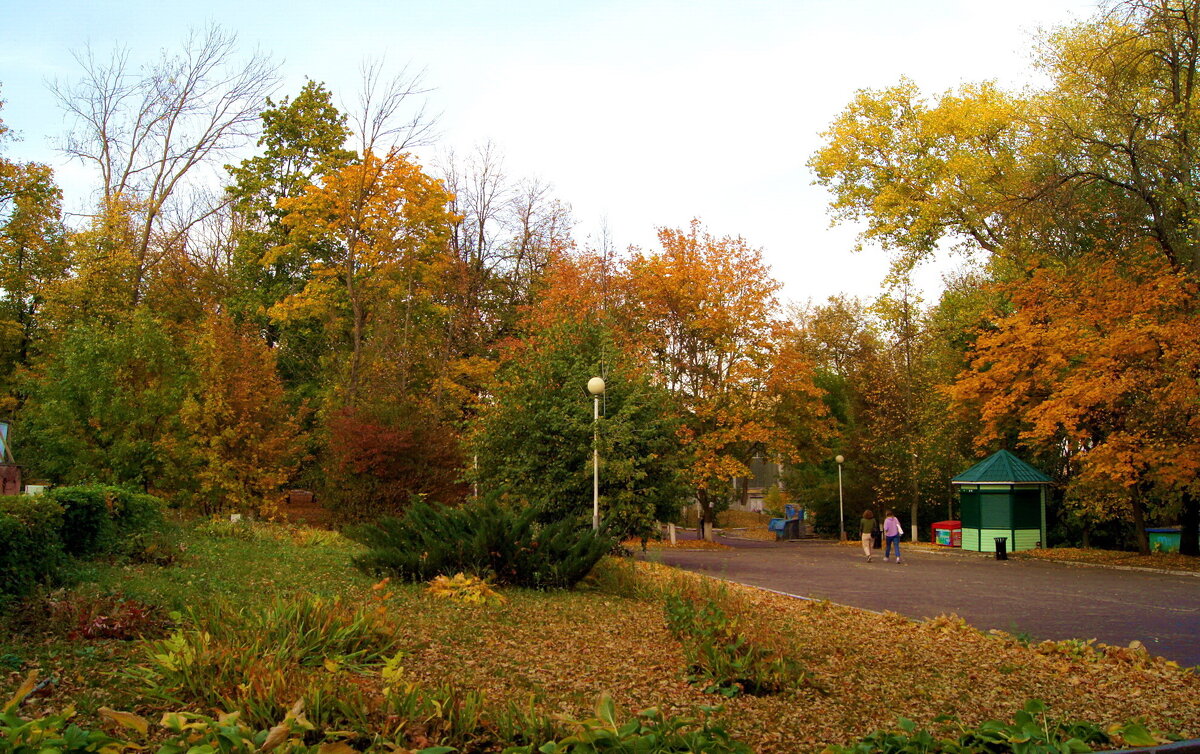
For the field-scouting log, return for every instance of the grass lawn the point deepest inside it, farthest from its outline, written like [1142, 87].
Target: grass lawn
[556, 653]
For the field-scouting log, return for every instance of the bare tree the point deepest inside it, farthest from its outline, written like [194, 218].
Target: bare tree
[148, 129]
[380, 118]
[541, 228]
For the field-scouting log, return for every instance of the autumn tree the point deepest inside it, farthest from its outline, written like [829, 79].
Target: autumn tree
[302, 140]
[33, 256]
[704, 313]
[381, 226]
[880, 365]
[150, 131]
[1096, 167]
[505, 235]
[836, 337]
[102, 403]
[239, 444]
[1100, 364]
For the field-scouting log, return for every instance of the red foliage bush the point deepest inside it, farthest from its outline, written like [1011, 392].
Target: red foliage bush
[78, 616]
[377, 467]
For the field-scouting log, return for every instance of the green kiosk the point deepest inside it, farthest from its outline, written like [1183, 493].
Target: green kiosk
[1002, 496]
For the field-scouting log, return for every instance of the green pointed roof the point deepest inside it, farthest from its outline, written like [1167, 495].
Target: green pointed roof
[1001, 467]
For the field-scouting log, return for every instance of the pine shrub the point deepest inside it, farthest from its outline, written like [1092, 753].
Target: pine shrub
[485, 540]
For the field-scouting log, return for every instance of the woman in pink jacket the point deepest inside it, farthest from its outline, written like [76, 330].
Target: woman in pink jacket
[892, 531]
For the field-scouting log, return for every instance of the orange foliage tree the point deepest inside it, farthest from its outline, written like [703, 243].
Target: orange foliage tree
[1099, 362]
[704, 313]
[240, 443]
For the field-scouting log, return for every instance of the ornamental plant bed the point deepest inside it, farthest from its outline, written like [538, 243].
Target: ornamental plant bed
[557, 653]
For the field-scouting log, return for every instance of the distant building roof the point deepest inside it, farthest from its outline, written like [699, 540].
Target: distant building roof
[1001, 467]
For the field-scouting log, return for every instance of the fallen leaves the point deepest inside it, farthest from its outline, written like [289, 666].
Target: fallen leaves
[566, 649]
[1164, 561]
[681, 544]
[560, 651]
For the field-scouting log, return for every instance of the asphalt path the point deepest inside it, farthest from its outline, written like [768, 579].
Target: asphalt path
[1041, 599]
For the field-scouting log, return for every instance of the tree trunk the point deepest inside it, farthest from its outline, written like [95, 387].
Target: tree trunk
[1189, 521]
[1139, 523]
[914, 527]
[916, 498]
[707, 516]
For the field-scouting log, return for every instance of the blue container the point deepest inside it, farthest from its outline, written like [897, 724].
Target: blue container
[1163, 540]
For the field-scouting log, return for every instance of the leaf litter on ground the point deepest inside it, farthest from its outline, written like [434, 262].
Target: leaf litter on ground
[561, 651]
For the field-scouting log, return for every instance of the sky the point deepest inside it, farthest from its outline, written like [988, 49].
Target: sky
[640, 114]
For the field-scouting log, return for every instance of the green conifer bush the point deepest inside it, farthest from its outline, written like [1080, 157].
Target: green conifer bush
[485, 540]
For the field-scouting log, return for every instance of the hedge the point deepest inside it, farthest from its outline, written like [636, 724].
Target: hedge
[31, 547]
[99, 519]
[39, 534]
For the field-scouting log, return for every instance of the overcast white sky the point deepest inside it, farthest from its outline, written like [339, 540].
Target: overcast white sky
[645, 113]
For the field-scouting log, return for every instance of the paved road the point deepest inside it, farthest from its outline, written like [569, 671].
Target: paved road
[1044, 600]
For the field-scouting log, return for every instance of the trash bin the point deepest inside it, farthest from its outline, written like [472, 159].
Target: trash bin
[791, 529]
[1001, 548]
[877, 539]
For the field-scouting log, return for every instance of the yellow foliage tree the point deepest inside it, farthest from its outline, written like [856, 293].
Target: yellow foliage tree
[380, 227]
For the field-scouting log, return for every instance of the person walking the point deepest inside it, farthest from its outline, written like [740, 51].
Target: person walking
[892, 531]
[867, 528]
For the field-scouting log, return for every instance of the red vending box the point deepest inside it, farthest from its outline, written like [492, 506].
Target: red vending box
[947, 533]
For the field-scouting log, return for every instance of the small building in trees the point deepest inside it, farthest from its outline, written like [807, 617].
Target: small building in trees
[1002, 496]
[749, 492]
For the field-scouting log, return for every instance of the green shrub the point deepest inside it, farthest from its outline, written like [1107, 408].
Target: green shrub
[136, 513]
[31, 550]
[1031, 732]
[721, 658]
[88, 527]
[483, 540]
[100, 519]
[649, 732]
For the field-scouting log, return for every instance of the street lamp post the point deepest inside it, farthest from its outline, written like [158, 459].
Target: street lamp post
[841, 508]
[595, 386]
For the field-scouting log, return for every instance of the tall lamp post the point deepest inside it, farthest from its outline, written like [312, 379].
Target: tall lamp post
[841, 509]
[595, 386]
